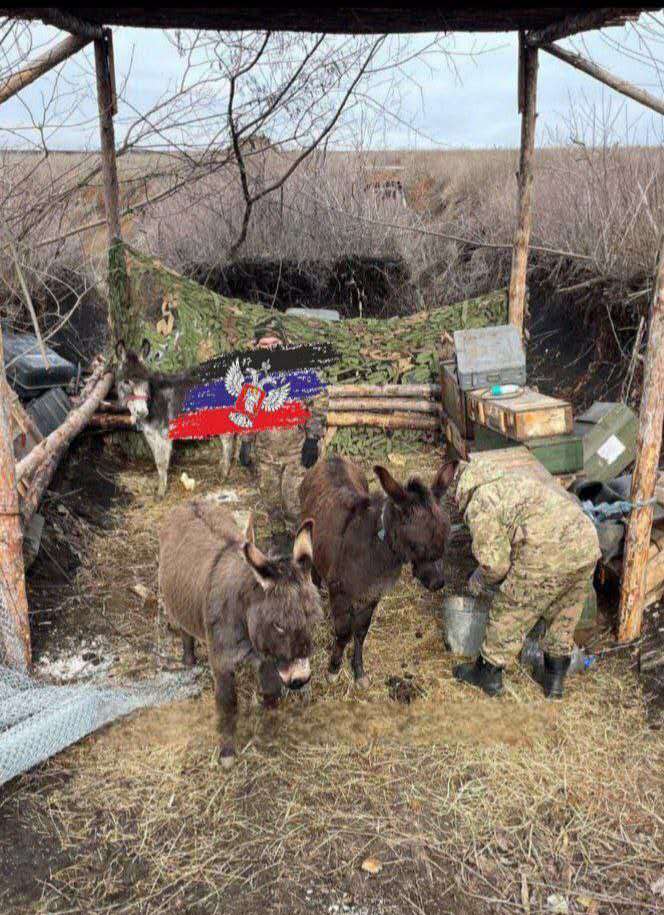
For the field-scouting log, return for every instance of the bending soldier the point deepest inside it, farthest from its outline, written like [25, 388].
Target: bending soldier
[537, 553]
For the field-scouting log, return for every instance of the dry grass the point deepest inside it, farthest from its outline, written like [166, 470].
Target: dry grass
[470, 804]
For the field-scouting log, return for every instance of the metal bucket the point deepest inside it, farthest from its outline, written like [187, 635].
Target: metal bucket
[464, 624]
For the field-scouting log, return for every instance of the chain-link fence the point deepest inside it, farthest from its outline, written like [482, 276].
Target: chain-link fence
[38, 720]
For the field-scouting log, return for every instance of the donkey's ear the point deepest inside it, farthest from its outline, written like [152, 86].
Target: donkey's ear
[145, 348]
[443, 479]
[303, 548]
[121, 350]
[249, 533]
[391, 487]
[260, 565]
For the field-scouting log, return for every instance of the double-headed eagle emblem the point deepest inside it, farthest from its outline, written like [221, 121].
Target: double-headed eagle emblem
[250, 396]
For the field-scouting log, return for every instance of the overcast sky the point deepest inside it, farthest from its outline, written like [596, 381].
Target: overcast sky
[476, 107]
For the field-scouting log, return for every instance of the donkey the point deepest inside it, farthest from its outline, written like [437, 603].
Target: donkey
[219, 588]
[361, 541]
[154, 399]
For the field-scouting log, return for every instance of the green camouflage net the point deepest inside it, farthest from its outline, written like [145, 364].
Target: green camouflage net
[188, 324]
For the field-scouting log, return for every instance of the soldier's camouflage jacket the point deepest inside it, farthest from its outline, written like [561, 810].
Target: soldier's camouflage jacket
[520, 520]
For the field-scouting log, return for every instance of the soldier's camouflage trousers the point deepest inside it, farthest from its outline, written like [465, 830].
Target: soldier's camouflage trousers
[279, 484]
[522, 599]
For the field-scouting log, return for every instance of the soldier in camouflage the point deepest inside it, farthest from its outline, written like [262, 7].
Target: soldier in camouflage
[537, 553]
[282, 456]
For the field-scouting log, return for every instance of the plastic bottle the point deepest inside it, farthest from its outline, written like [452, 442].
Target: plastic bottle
[499, 389]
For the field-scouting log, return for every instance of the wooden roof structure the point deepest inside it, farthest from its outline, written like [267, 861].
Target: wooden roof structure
[539, 28]
[357, 18]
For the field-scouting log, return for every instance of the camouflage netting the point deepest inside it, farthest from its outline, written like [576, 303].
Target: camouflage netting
[188, 324]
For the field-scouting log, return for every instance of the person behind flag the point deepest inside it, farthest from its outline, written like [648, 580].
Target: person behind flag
[282, 456]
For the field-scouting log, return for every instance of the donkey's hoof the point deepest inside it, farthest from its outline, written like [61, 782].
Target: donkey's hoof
[332, 675]
[226, 757]
[363, 682]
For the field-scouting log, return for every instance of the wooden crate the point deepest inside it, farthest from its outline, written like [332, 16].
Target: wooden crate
[523, 416]
[453, 398]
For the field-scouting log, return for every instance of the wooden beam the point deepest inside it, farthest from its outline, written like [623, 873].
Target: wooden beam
[15, 648]
[572, 25]
[70, 23]
[604, 76]
[644, 480]
[41, 65]
[517, 295]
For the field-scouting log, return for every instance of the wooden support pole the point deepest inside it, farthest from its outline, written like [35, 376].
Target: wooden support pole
[604, 76]
[118, 284]
[528, 103]
[644, 480]
[41, 65]
[106, 103]
[15, 648]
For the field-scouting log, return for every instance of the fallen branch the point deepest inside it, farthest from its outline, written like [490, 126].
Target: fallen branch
[384, 390]
[383, 421]
[385, 405]
[44, 459]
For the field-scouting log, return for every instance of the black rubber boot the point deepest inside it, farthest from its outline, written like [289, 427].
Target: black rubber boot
[483, 674]
[551, 675]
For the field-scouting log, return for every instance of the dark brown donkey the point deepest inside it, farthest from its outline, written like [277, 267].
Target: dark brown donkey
[361, 541]
[219, 588]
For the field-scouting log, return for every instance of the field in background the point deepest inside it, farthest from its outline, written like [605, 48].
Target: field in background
[335, 234]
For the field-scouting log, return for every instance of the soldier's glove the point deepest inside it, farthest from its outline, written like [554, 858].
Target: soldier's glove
[245, 454]
[309, 452]
[478, 586]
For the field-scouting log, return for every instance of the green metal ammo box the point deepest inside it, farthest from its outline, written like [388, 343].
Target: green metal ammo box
[608, 432]
[558, 453]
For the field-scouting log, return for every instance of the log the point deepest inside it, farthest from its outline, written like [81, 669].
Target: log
[110, 421]
[383, 421]
[384, 390]
[14, 619]
[58, 441]
[572, 25]
[528, 102]
[385, 405]
[644, 479]
[604, 76]
[41, 65]
[57, 444]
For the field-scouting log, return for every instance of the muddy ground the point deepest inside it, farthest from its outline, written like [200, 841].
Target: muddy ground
[418, 795]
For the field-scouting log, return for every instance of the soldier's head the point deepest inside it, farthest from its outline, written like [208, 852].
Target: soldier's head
[269, 334]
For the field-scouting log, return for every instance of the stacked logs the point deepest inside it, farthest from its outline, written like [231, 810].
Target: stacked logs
[388, 406]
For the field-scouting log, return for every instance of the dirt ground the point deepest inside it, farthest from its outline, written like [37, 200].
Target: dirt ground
[417, 795]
